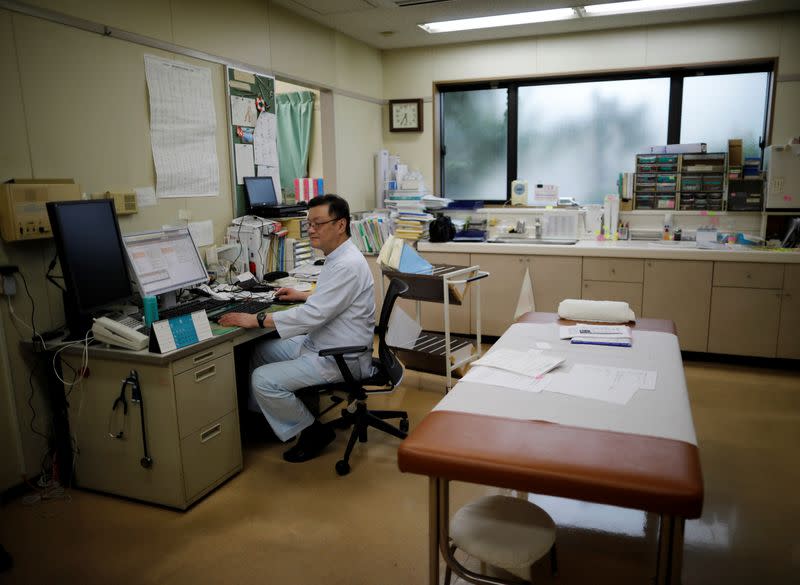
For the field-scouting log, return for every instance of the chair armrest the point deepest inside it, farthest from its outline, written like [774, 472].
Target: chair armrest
[343, 350]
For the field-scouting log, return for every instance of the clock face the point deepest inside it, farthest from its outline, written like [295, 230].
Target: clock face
[406, 116]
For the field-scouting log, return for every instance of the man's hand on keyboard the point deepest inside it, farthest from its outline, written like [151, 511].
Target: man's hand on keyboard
[246, 320]
[290, 294]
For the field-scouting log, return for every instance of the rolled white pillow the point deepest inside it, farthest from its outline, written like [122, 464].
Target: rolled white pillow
[599, 311]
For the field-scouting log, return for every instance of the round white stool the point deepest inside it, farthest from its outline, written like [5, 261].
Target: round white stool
[504, 532]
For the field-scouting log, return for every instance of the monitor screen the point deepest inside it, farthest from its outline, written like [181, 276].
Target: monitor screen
[164, 261]
[89, 247]
[260, 191]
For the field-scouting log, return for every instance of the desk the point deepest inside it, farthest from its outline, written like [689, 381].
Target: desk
[642, 455]
[192, 420]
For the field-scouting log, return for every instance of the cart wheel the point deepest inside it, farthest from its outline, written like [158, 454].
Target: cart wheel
[404, 425]
[342, 467]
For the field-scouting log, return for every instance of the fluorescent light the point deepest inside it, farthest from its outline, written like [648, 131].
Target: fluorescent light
[499, 20]
[649, 5]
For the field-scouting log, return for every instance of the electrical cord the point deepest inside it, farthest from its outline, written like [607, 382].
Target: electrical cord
[84, 359]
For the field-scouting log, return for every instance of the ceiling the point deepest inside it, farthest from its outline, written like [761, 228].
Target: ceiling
[392, 24]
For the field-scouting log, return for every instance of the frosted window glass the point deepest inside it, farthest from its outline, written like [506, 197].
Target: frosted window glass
[475, 137]
[719, 107]
[580, 136]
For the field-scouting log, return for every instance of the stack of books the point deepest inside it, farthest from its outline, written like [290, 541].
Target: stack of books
[409, 215]
[369, 234]
[296, 253]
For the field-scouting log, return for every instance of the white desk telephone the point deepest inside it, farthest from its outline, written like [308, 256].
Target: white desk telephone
[109, 331]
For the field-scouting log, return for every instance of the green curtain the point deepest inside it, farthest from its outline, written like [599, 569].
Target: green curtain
[294, 111]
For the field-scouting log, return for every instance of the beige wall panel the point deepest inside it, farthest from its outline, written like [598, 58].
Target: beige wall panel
[359, 68]
[414, 149]
[789, 63]
[14, 160]
[97, 131]
[237, 29]
[358, 138]
[408, 73]
[502, 58]
[786, 122]
[614, 49]
[301, 48]
[713, 41]
[152, 18]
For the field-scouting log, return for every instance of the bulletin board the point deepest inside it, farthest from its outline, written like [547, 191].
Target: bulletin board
[253, 131]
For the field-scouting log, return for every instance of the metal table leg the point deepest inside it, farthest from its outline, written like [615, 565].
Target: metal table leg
[670, 551]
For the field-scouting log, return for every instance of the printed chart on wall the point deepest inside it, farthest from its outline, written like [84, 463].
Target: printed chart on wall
[254, 130]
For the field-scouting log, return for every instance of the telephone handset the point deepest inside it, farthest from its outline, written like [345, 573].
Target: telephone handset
[109, 331]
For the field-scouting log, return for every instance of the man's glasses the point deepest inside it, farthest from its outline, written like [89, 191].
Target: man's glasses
[317, 224]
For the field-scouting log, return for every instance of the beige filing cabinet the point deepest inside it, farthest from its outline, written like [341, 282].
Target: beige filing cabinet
[191, 424]
[789, 326]
[614, 279]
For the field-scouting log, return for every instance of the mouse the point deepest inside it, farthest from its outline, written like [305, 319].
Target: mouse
[319, 262]
[270, 276]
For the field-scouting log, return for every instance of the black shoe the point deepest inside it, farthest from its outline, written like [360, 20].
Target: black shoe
[311, 443]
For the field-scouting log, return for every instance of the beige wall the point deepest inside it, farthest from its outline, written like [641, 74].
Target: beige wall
[73, 103]
[413, 72]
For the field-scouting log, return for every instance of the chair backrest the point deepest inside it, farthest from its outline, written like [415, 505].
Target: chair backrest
[390, 363]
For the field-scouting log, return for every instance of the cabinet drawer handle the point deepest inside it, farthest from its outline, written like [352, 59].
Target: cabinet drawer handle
[210, 433]
[205, 373]
[203, 357]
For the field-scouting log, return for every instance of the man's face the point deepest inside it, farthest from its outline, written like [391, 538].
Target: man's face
[324, 232]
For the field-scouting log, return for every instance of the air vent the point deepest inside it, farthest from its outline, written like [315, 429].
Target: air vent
[404, 3]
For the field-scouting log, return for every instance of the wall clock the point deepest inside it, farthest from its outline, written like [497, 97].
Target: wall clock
[405, 115]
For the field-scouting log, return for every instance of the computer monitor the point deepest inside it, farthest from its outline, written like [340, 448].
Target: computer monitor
[90, 250]
[260, 191]
[164, 261]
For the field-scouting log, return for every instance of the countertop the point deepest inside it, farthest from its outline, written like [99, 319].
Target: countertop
[623, 249]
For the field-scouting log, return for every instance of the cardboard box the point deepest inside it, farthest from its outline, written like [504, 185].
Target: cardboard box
[735, 152]
[23, 211]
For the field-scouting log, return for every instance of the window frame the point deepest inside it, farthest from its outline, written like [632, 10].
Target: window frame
[676, 75]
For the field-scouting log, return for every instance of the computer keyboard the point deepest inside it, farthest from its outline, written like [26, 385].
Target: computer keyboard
[251, 306]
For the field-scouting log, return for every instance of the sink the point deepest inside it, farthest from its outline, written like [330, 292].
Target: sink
[534, 241]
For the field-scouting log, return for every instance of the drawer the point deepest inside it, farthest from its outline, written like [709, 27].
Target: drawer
[204, 394]
[201, 357]
[628, 292]
[211, 455]
[613, 269]
[748, 274]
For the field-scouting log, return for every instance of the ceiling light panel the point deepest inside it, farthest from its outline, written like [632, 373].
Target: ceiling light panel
[499, 20]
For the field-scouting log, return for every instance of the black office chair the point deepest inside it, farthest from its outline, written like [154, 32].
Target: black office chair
[389, 374]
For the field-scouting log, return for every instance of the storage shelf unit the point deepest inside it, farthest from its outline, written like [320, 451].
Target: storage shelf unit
[656, 182]
[439, 353]
[702, 181]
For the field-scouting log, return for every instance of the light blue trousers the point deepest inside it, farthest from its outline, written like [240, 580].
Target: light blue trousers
[280, 367]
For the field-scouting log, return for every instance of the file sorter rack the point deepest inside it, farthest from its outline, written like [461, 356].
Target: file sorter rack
[433, 352]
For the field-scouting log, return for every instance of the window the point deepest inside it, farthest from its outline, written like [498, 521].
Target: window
[579, 133]
[475, 131]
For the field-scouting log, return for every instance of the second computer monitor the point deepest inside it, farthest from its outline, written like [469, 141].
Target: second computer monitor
[164, 261]
[260, 191]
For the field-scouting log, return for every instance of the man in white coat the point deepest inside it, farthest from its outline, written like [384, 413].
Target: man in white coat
[339, 313]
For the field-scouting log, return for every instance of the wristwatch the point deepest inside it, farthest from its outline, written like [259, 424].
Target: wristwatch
[260, 318]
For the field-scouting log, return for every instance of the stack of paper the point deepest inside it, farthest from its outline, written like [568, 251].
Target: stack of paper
[532, 363]
[409, 215]
[605, 383]
[435, 203]
[593, 334]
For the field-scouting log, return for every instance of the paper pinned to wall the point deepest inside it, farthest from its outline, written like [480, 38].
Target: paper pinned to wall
[244, 162]
[265, 139]
[243, 111]
[202, 232]
[145, 196]
[182, 128]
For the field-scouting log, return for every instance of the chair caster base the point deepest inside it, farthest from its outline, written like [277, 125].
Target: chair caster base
[403, 425]
[342, 467]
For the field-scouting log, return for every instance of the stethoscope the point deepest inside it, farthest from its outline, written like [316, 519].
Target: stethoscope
[136, 397]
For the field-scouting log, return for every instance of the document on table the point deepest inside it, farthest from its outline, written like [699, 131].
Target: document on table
[609, 384]
[504, 378]
[530, 363]
[583, 333]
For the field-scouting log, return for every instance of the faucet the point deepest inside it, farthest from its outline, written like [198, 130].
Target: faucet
[537, 229]
[521, 227]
